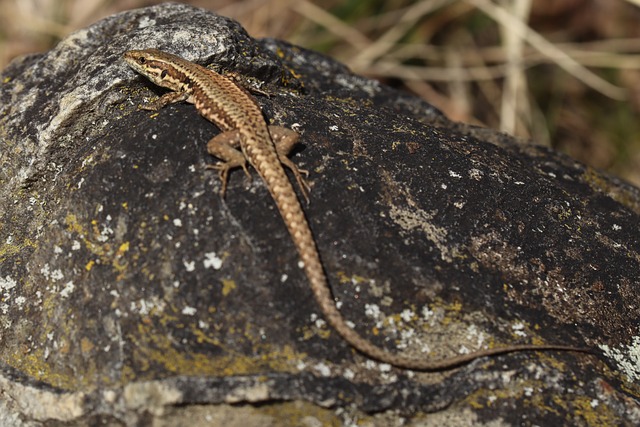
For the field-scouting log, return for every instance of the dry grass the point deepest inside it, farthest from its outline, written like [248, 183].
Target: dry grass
[564, 72]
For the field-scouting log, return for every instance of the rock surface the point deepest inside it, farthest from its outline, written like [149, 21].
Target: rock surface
[132, 294]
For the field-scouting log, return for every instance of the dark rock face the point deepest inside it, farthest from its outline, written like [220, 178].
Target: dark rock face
[132, 292]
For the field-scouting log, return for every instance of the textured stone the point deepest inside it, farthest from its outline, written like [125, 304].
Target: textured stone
[132, 294]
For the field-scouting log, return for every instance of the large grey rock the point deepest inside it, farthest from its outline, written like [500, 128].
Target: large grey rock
[132, 294]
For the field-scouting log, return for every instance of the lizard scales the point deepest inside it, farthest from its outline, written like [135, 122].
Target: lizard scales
[237, 114]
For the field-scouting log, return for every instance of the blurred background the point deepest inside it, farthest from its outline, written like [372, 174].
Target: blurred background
[564, 73]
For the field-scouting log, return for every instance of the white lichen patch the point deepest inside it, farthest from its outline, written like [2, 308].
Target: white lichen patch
[54, 276]
[518, 329]
[372, 311]
[319, 322]
[189, 265]
[68, 288]
[146, 306]
[427, 313]
[105, 233]
[203, 325]
[627, 359]
[384, 367]
[322, 369]
[414, 219]
[407, 315]
[6, 284]
[146, 21]
[20, 301]
[57, 275]
[189, 311]
[474, 334]
[212, 260]
[349, 374]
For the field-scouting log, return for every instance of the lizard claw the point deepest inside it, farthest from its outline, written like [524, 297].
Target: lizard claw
[223, 174]
[223, 169]
[297, 172]
[302, 183]
[246, 172]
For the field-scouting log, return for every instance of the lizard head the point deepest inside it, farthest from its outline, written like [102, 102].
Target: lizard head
[157, 66]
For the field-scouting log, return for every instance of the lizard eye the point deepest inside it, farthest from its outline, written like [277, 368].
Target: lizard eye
[163, 74]
[141, 60]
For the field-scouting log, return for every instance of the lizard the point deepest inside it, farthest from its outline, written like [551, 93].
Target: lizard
[247, 138]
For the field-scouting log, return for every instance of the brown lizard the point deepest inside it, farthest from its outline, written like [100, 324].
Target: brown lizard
[246, 137]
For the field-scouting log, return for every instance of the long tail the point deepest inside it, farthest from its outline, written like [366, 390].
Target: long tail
[323, 296]
[294, 218]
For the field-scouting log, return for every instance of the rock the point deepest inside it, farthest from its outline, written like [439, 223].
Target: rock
[133, 294]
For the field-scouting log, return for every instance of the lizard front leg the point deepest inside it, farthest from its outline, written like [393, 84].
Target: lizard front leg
[164, 100]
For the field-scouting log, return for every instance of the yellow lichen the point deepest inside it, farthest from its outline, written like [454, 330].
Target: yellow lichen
[228, 285]
[152, 348]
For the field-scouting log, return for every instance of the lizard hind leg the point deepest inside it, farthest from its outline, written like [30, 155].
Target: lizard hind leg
[224, 146]
[285, 140]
